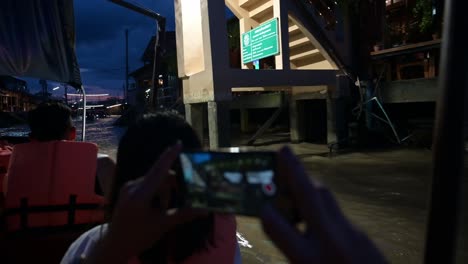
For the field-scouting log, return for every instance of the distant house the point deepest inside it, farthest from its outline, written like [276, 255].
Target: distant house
[14, 95]
[165, 77]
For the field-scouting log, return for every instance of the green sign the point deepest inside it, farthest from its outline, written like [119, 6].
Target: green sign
[260, 42]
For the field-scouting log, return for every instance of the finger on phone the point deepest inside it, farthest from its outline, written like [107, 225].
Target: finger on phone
[303, 191]
[155, 176]
[284, 235]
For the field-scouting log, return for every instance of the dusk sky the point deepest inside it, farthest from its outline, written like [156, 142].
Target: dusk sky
[100, 42]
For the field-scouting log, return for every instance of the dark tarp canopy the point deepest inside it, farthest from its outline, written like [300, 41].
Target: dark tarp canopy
[37, 39]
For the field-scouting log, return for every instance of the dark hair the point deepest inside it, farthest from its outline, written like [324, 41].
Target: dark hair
[50, 121]
[139, 148]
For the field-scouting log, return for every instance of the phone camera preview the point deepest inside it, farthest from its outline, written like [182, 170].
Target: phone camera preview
[238, 183]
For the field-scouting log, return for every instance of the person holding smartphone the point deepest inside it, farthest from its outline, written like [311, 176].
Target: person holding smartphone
[156, 231]
[329, 236]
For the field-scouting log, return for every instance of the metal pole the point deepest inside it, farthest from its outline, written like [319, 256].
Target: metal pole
[448, 149]
[126, 66]
[66, 94]
[144, 11]
[83, 133]
[43, 84]
[153, 95]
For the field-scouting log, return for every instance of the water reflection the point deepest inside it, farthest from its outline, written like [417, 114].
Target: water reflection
[242, 241]
[382, 192]
[104, 134]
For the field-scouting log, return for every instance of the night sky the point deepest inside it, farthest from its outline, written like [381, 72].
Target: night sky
[100, 42]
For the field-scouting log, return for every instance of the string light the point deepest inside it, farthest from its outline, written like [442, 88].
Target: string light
[112, 106]
[89, 95]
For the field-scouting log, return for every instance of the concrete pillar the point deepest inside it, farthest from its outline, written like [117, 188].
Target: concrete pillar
[296, 120]
[466, 124]
[337, 114]
[244, 120]
[331, 121]
[280, 11]
[195, 117]
[219, 124]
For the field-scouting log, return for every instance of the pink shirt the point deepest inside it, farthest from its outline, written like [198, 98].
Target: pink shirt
[226, 250]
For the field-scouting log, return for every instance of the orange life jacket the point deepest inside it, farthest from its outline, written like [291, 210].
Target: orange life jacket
[5, 153]
[51, 184]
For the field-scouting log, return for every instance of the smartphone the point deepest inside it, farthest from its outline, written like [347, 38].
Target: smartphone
[240, 183]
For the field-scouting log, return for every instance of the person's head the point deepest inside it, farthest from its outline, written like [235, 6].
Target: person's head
[51, 121]
[139, 148]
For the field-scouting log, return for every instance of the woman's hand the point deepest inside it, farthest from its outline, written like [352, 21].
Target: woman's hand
[329, 237]
[137, 222]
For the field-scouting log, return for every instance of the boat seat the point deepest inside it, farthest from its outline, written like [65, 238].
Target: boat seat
[51, 185]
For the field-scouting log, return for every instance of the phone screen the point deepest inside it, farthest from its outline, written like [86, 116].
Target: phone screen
[239, 183]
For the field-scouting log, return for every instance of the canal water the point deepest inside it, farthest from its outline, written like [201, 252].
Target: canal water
[385, 193]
